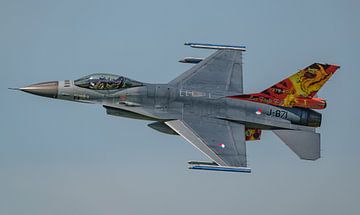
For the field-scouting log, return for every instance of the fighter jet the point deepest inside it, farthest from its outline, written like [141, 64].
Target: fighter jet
[207, 107]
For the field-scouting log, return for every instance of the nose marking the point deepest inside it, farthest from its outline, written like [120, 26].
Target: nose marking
[122, 97]
[47, 89]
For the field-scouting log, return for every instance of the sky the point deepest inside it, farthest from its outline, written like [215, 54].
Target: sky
[58, 157]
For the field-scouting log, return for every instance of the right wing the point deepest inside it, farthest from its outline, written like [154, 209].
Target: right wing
[221, 71]
[222, 141]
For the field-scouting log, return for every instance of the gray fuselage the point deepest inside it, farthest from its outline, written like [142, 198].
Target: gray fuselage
[162, 102]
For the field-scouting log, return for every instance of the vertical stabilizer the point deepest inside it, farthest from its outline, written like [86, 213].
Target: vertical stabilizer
[298, 90]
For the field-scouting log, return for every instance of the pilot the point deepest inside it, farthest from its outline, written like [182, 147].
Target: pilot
[110, 85]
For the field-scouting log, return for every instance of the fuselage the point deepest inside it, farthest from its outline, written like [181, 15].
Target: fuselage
[162, 102]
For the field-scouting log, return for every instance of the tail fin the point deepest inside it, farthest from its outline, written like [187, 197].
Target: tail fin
[305, 83]
[298, 90]
[304, 143]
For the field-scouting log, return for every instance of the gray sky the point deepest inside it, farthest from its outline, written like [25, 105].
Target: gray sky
[58, 157]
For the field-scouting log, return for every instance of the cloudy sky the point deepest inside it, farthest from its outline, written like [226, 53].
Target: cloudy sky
[59, 157]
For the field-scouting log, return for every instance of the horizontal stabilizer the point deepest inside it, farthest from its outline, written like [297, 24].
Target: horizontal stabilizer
[304, 143]
[221, 168]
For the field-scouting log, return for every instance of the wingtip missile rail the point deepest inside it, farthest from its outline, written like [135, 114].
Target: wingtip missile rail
[220, 168]
[215, 46]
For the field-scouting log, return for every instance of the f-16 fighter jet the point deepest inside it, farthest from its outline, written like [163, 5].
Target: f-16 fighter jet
[207, 107]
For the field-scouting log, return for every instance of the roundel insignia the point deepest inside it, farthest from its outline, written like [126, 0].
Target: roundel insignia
[258, 111]
[222, 145]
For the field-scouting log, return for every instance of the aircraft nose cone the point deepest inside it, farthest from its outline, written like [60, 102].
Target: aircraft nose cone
[47, 89]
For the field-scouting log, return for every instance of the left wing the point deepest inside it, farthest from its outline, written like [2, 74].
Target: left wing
[222, 141]
[221, 71]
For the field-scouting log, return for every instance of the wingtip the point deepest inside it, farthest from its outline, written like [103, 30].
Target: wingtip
[330, 68]
[333, 68]
[13, 88]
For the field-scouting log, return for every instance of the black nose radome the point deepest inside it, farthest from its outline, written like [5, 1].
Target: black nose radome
[47, 89]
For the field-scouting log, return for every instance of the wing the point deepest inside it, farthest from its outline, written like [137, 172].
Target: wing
[222, 141]
[221, 71]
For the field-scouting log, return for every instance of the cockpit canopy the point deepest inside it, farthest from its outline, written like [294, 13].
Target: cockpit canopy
[102, 81]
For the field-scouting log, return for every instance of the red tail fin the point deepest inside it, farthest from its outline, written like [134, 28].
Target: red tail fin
[297, 90]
